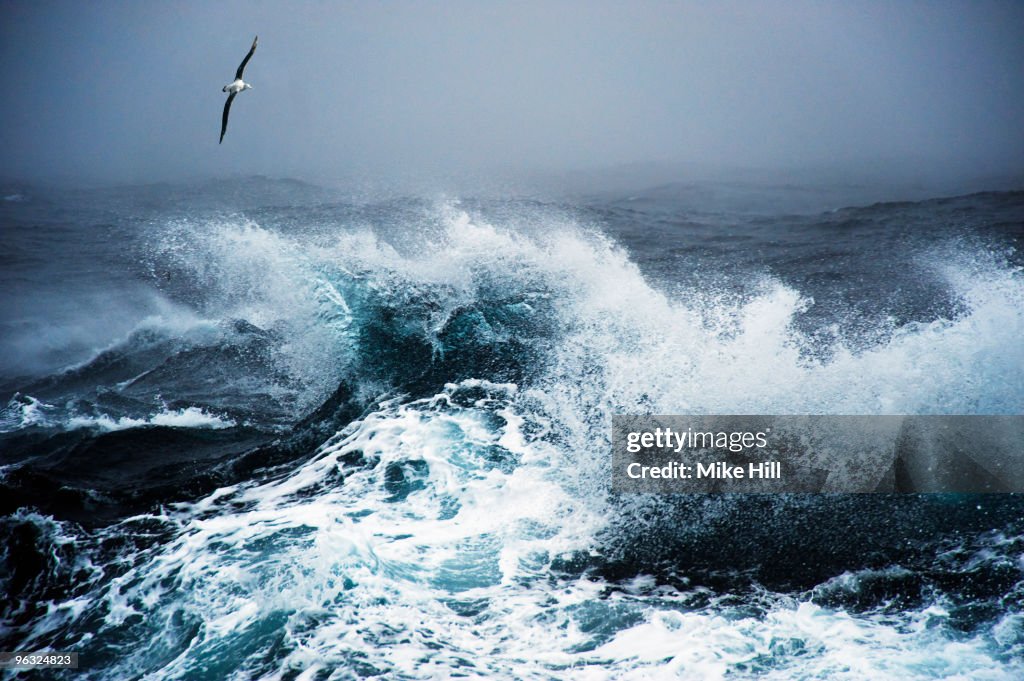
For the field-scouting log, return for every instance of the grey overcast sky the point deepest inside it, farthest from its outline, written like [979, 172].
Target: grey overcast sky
[131, 91]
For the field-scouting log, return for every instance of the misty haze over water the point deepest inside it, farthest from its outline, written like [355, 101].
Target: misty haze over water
[449, 94]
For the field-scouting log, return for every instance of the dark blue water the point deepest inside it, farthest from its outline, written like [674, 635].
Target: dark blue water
[255, 429]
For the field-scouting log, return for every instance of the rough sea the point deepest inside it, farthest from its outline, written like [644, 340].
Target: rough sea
[253, 429]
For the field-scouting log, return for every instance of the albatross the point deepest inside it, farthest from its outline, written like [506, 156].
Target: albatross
[234, 88]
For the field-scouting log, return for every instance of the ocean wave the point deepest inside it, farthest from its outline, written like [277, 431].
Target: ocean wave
[583, 306]
[24, 411]
[463, 523]
[425, 540]
[190, 417]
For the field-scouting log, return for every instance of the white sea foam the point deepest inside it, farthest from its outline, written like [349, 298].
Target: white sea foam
[273, 282]
[418, 541]
[620, 338]
[189, 417]
[444, 569]
[24, 411]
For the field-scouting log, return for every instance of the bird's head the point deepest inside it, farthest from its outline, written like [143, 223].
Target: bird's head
[247, 87]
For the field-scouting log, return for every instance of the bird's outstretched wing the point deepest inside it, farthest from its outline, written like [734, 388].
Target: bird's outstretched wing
[224, 118]
[241, 67]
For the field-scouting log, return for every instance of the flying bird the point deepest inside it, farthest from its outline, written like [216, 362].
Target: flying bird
[234, 88]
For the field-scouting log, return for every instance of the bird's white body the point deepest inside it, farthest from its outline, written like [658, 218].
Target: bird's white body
[236, 86]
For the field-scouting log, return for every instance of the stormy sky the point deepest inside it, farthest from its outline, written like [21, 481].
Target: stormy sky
[131, 91]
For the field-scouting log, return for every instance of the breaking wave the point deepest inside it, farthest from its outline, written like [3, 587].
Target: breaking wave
[439, 503]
